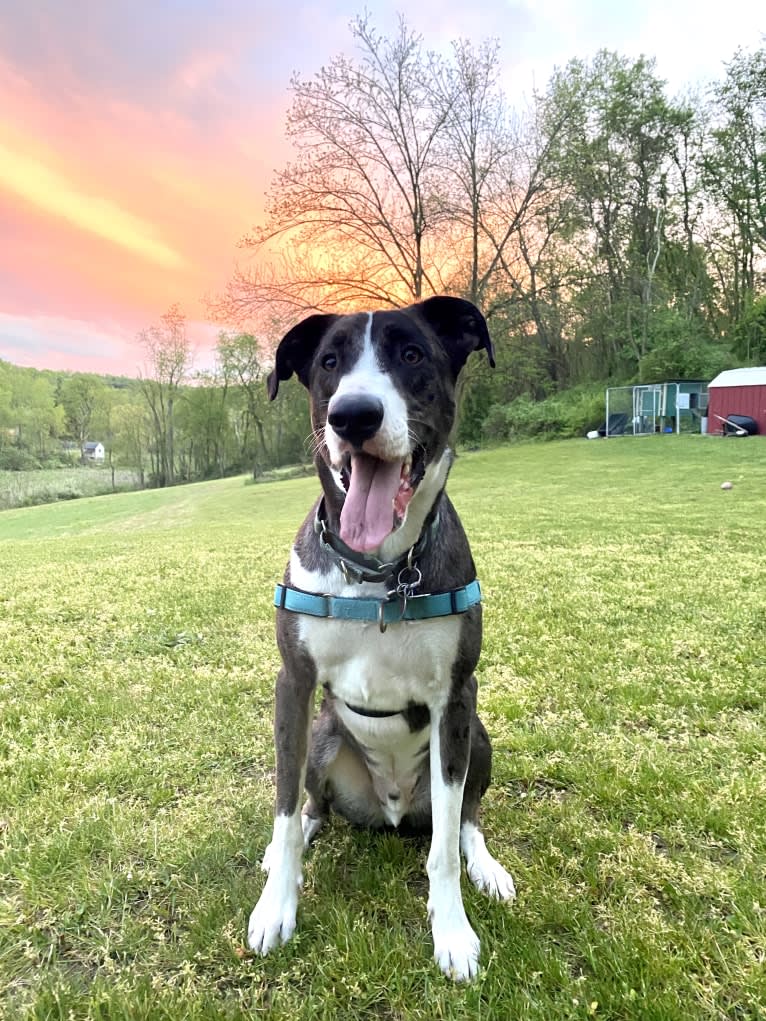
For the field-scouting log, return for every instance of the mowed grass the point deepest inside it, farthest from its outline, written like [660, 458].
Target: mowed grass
[622, 681]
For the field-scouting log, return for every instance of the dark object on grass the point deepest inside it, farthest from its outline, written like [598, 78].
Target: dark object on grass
[739, 425]
[617, 425]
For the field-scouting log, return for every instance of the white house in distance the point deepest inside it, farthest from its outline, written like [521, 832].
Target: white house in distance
[93, 451]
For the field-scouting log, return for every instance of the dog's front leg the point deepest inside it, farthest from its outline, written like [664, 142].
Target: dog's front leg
[273, 918]
[456, 945]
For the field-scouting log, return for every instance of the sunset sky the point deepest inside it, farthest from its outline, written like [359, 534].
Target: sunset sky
[137, 138]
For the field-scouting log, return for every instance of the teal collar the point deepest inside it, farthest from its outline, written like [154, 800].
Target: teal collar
[383, 611]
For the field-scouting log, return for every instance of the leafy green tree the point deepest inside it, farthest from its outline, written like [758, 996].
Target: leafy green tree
[289, 426]
[613, 160]
[6, 396]
[81, 396]
[750, 333]
[132, 432]
[204, 431]
[241, 360]
[35, 418]
[168, 361]
[682, 348]
[106, 425]
[735, 175]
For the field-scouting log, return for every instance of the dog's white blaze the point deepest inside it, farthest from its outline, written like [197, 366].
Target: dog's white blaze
[392, 441]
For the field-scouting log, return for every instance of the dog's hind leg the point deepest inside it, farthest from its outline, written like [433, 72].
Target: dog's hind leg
[484, 871]
[337, 779]
[312, 820]
[316, 808]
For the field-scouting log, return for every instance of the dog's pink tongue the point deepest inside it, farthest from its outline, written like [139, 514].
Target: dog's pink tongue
[368, 512]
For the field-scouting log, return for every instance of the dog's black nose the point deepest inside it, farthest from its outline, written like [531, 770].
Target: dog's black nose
[356, 417]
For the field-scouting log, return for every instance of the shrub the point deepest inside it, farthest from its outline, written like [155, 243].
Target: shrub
[15, 460]
[495, 427]
[750, 333]
[60, 459]
[682, 348]
[586, 409]
[569, 413]
[534, 418]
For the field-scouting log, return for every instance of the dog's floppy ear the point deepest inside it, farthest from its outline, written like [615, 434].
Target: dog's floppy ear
[459, 326]
[296, 350]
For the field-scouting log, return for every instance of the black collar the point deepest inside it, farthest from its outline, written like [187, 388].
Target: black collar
[360, 567]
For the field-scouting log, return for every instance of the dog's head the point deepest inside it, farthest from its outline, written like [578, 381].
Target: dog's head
[382, 389]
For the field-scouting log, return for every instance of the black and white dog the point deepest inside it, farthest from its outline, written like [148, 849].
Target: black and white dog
[380, 606]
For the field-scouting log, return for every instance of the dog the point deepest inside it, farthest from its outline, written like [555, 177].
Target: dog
[381, 607]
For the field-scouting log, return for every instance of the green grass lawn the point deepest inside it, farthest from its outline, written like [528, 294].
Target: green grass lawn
[622, 681]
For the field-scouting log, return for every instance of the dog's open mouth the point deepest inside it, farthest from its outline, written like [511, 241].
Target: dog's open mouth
[377, 496]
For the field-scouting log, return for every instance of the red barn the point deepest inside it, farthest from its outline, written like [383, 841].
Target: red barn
[738, 392]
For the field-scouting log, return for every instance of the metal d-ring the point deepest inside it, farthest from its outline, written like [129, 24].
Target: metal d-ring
[403, 595]
[407, 581]
[407, 588]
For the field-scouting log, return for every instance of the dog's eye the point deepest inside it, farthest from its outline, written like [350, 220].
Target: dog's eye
[329, 362]
[412, 354]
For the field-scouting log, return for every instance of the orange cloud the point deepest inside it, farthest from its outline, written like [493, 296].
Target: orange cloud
[50, 191]
[117, 200]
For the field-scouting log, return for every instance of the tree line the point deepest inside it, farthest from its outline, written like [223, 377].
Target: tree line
[172, 424]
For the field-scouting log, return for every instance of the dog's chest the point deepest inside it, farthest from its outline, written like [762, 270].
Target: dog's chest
[410, 662]
[394, 756]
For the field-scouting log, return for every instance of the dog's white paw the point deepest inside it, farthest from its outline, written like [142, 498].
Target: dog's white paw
[456, 945]
[489, 876]
[273, 918]
[484, 871]
[456, 949]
